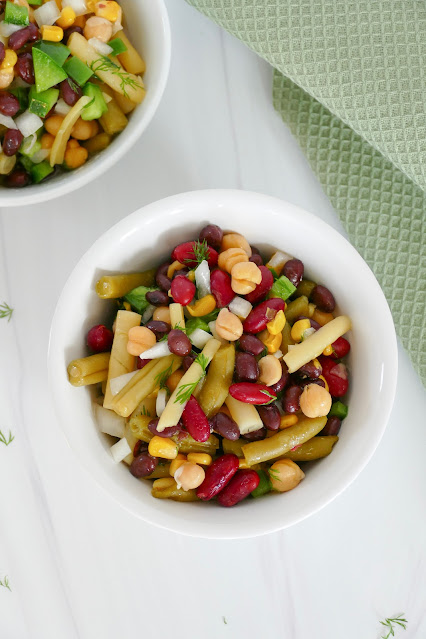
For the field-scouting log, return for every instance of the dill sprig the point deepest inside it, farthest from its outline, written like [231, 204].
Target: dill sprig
[273, 472]
[5, 311]
[203, 361]
[105, 64]
[391, 623]
[201, 252]
[186, 390]
[162, 377]
[145, 412]
[5, 583]
[5, 441]
[268, 394]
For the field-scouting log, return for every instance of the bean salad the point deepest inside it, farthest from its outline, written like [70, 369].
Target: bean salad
[221, 374]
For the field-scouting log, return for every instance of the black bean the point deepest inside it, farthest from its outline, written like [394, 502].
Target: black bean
[323, 298]
[158, 298]
[290, 401]
[161, 278]
[225, 426]
[213, 235]
[270, 416]
[179, 343]
[293, 271]
[251, 344]
[143, 465]
[12, 141]
[167, 432]
[256, 259]
[246, 368]
[310, 370]
[332, 426]
[18, 179]
[158, 328]
[256, 435]
[9, 105]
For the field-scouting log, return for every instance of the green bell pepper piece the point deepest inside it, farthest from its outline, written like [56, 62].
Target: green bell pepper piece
[47, 72]
[282, 287]
[55, 50]
[97, 107]
[15, 14]
[77, 70]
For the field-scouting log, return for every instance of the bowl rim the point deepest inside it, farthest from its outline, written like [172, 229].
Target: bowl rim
[76, 180]
[150, 211]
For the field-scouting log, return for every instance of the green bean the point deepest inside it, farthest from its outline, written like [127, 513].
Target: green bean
[287, 338]
[305, 288]
[234, 447]
[283, 441]
[114, 286]
[218, 380]
[315, 448]
[173, 492]
[297, 307]
[162, 470]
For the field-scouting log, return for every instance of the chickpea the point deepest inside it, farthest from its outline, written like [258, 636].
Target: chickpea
[52, 124]
[315, 401]
[47, 140]
[99, 28]
[230, 257]
[270, 370]
[162, 314]
[235, 240]
[140, 339]
[228, 325]
[83, 130]
[285, 475]
[189, 476]
[245, 277]
[6, 77]
[75, 156]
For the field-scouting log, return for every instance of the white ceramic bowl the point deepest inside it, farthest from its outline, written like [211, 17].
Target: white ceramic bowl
[144, 239]
[147, 24]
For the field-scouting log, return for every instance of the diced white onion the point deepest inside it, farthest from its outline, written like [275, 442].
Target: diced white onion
[278, 260]
[202, 278]
[28, 123]
[308, 332]
[240, 307]
[100, 47]
[7, 121]
[109, 422]
[40, 155]
[6, 29]
[161, 402]
[160, 349]
[199, 338]
[28, 144]
[107, 97]
[79, 6]
[120, 450]
[212, 327]
[278, 354]
[117, 383]
[147, 314]
[62, 107]
[47, 14]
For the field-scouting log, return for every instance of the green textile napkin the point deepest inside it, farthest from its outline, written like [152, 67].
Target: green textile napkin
[350, 82]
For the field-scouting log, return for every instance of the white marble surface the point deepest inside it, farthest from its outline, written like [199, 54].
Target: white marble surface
[81, 567]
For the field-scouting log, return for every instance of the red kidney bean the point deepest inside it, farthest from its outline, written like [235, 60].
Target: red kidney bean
[282, 382]
[161, 277]
[140, 363]
[213, 235]
[241, 485]
[187, 361]
[332, 426]
[2, 52]
[179, 343]
[310, 370]
[167, 432]
[25, 68]
[9, 105]
[314, 324]
[270, 416]
[323, 298]
[255, 435]
[261, 289]
[70, 92]
[158, 298]
[217, 476]
[251, 344]
[100, 338]
[220, 284]
[143, 465]
[225, 426]
[183, 290]
[251, 393]
[70, 31]
[336, 376]
[256, 259]
[258, 317]
[341, 347]
[293, 271]
[12, 141]
[195, 420]
[21, 37]
[290, 400]
[246, 368]
[184, 253]
[158, 328]
[139, 448]
[18, 179]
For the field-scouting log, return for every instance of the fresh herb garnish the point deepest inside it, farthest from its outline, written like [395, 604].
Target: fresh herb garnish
[186, 390]
[105, 64]
[5, 311]
[5, 583]
[224, 621]
[391, 623]
[268, 394]
[5, 441]
[273, 472]
[162, 377]
[145, 412]
[203, 361]
[201, 252]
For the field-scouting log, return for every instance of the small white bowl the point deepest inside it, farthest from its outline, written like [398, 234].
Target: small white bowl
[147, 237]
[147, 24]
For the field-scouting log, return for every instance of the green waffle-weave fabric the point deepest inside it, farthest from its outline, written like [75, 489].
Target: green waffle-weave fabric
[350, 82]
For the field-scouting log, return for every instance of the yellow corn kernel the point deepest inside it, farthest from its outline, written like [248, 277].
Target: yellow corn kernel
[272, 342]
[276, 325]
[287, 421]
[202, 307]
[325, 382]
[163, 447]
[203, 459]
[10, 59]
[191, 276]
[163, 483]
[67, 18]
[328, 350]
[107, 9]
[176, 463]
[127, 306]
[299, 328]
[174, 379]
[321, 317]
[316, 363]
[52, 34]
[175, 266]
